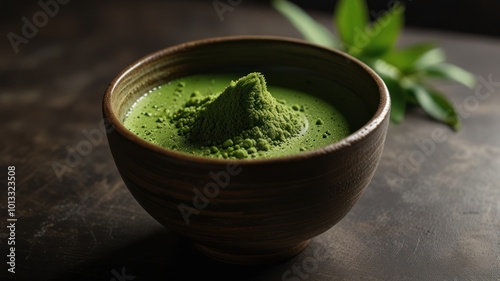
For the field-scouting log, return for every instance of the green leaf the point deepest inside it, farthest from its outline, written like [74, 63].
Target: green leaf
[398, 99]
[405, 58]
[429, 58]
[404, 71]
[451, 72]
[384, 32]
[385, 69]
[307, 26]
[351, 18]
[437, 106]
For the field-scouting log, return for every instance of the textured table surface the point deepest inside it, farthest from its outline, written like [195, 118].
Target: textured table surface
[431, 212]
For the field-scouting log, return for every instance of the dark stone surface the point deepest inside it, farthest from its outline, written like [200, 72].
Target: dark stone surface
[436, 220]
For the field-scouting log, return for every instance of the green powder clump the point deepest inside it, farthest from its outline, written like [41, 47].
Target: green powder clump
[239, 122]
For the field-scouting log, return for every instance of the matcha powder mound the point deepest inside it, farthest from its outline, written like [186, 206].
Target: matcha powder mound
[242, 120]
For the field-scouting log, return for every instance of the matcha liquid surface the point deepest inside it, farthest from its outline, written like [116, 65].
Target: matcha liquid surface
[151, 117]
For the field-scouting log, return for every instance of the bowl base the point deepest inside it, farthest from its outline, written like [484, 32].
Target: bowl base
[249, 258]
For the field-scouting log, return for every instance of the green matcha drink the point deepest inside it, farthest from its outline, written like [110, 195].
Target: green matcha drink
[229, 116]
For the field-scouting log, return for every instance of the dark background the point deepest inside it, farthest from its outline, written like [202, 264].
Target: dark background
[478, 16]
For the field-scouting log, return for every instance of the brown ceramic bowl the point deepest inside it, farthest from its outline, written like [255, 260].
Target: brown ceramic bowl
[260, 210]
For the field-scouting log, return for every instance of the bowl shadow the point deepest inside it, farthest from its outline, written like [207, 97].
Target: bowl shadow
[163, 255]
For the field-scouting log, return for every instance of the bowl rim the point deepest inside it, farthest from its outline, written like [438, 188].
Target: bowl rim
[377, 119]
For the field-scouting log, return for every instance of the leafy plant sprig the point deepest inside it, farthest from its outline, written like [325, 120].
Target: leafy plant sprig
[406, 71]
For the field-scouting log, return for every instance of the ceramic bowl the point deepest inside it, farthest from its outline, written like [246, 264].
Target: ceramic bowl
[253, 210]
